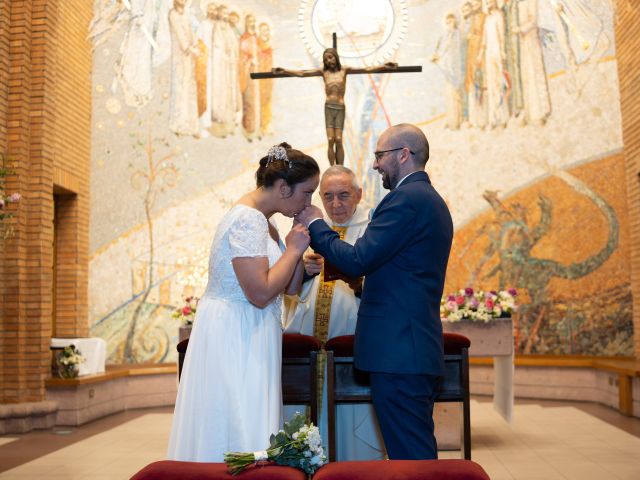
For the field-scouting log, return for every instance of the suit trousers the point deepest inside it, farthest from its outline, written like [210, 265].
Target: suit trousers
[404, 407]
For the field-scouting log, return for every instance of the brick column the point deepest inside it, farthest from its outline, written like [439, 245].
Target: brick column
[45, 113]
[5, 15]
[628, 57]
[24, 295]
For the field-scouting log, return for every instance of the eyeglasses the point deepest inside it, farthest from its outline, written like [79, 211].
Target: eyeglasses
[380, 153]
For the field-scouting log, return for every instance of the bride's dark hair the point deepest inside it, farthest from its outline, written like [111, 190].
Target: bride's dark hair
[287, 163]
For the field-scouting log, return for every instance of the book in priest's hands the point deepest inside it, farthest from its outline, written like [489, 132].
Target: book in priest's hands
[331, 272]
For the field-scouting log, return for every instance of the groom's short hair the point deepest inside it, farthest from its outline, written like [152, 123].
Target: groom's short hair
[409, 135]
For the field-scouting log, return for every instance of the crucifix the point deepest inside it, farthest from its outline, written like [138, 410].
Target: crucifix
[334, 76]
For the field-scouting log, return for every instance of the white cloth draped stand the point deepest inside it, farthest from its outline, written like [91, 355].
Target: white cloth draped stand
[94, 351]
[492, 339]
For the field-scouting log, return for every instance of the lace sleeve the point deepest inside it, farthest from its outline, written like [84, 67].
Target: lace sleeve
[249, 234]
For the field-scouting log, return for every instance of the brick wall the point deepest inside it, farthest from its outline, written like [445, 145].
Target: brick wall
[45, 108]
[72, 166]
[628, 56]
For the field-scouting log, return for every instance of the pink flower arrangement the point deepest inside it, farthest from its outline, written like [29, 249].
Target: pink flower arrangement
[476, 305]
[13, 198]
[187, 313]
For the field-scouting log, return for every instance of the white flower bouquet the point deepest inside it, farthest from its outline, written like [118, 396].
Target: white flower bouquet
[70, 355]
[298, 445]
[68, 360]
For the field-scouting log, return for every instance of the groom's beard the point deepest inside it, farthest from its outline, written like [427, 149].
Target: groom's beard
[390, 179]
[386, 183]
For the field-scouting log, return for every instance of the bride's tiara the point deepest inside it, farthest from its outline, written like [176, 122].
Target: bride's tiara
[278, 153]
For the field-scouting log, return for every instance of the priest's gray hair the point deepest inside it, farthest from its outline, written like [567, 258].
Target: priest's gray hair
[335, 170]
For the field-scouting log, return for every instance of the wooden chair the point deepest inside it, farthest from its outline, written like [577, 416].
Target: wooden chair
[299, 371]
[346, 384]
[455, 385]
[182, 350]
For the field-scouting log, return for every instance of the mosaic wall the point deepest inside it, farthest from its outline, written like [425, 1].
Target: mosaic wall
[519, 100]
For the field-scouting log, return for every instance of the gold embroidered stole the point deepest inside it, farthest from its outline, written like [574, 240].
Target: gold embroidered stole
[321, 321]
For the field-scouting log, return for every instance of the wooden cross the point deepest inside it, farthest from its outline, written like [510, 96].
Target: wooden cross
[398, 69]
[335, 85]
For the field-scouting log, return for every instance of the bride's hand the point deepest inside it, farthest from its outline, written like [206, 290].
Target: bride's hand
[298, 238]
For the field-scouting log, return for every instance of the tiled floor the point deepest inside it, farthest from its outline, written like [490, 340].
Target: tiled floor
[554, 441]
[547, 441]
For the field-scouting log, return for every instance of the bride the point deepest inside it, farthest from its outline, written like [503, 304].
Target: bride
[230, 397]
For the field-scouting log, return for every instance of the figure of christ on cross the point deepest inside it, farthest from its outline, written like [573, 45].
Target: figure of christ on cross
[334, 76]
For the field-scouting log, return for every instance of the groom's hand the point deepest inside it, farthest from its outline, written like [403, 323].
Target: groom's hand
[308, 214]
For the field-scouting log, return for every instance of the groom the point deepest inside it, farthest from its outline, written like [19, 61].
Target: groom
[403, 254]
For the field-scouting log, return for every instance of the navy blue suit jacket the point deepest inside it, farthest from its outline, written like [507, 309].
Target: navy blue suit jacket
[403, 255]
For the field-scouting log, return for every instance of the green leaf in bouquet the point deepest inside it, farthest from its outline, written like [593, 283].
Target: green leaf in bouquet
[281, 438]
[275, 452]
[295, 423]
[289, 430]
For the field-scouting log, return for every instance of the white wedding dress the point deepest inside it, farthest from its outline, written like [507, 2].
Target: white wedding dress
[230, 397]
